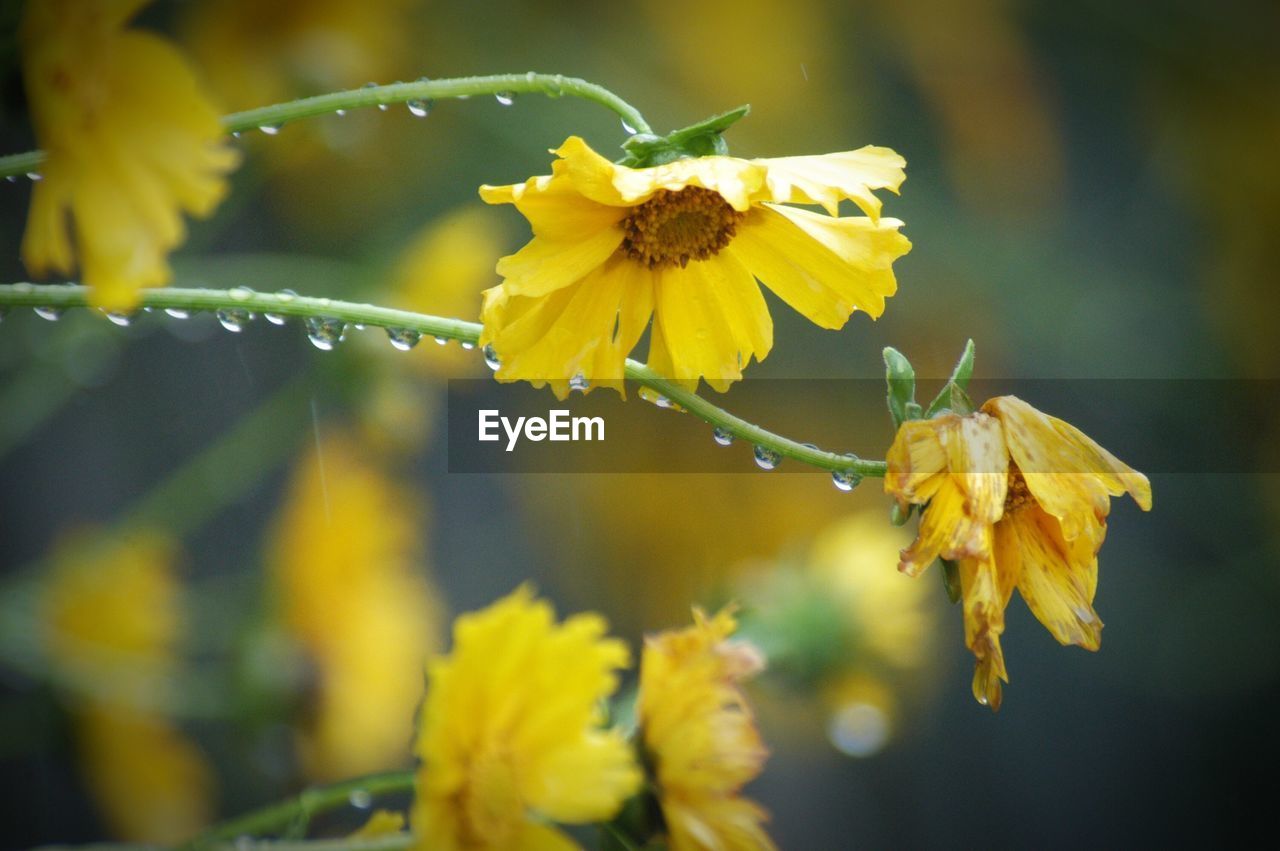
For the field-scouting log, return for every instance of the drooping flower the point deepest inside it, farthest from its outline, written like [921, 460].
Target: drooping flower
[349, 568]
[700, 734]
[1017, 499]
[684, 243]
[511, 736]
[113, 620]
[131, 141]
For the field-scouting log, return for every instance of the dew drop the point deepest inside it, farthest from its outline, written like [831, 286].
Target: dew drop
[491, 358]
[656, 398]
[117, 318]
[403, 339]
[420, 108]
[324, 332]
[580, 383]
[722, 436]
[286, 296]
[505, 98]
[627, 128]
[240, 293]
[11, 178]
[235, 134]
[339, 112]
[177, 312]
[35, 176]
[845, 480]
[270, 129]
[858, 729]
[53, 314]
[442, 341]
[467, 345]
[360, 799]
[234, 318]
[382, 106]
[766, 458]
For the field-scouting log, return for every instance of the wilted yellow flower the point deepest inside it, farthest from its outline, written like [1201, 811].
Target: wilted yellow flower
[684, 243]
[701, 736]
[349, 567]
[131, 142]
[113, 620]
[1017, 498]
[510, 733]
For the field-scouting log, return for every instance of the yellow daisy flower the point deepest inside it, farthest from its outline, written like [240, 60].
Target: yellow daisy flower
[1018, 499]
[684, 242]
[700, 734]
[510, 737]
[349, 568]
[131, 143]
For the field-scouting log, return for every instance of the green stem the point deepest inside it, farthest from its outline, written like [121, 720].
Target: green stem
[32, 295]
[309, 803]
[551, 85]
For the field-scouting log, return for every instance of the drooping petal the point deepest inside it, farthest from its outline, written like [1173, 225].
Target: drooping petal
[1070, 475]
[544, 265]
[1057, 577]
[915, 462]
[697, 334]
[739, 182]
[804, 271]
[978, 462]
[983, 624]
[828, 179]
[555, 209]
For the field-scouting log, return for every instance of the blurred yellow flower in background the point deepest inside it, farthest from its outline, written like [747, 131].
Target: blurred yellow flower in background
[684, 243]
[510, 735]
[700, 735]
[113, 621]
[1017, 498]
[132, 143]
[348, 564]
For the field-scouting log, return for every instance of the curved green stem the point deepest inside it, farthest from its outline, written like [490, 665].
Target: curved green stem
[551, 85]
[280, 816]
[284, 304]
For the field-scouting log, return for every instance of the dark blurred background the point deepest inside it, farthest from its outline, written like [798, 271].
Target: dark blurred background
[1093, 193]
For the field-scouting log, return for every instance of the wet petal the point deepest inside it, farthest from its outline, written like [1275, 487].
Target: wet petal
[829, 178]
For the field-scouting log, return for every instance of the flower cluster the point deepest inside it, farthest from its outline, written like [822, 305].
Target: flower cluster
[513, 736]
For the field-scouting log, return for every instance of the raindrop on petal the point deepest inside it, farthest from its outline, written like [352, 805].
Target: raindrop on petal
[580, 383]
[325, 332]
[234, 318]
[403, 339]
[766, 458]
[722, 436]
[491, 358]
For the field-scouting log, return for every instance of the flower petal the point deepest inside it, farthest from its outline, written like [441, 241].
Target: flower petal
[739, 182]
[1057, 577]
[983, 624]
[544, 265]
[554, 208]
[829, 178]
[697, 334]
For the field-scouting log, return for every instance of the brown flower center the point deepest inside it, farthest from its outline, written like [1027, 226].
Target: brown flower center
[1019, 495]
[675, 227]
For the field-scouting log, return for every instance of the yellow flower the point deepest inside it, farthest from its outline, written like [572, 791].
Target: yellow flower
[131, 145]
[348, 564]
[1018, 499]
[113, 621]
[510, 731]
[701, 736]
[684, 242]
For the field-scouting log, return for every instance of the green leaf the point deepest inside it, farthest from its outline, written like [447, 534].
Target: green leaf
[702, 139]
[953, 395]
[964, 367]
[898, 515]
[901, 381]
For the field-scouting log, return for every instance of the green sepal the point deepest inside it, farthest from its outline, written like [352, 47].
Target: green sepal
[702, 139]
[901, 381]
[953, 395]
[898, 515]
[951, 579]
